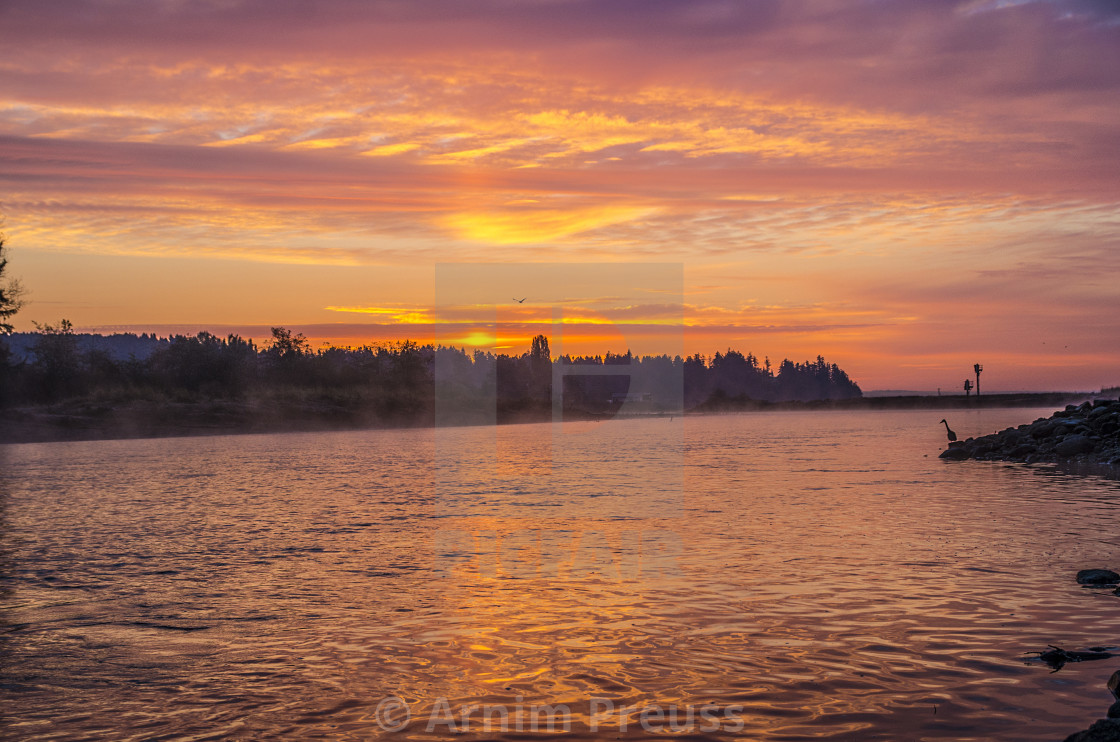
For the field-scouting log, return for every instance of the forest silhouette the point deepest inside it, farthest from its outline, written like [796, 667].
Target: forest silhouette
[287, 383]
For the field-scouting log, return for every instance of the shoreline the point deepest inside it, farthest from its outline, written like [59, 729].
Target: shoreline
[907, 402]
[86, 420]
[1087, 434]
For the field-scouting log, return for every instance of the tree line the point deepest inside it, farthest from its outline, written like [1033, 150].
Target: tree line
[392, 382]
[399, 382]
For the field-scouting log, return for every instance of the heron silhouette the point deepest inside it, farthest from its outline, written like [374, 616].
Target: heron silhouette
[520, 301]
[949, 431]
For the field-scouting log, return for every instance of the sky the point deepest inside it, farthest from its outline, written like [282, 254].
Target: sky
[907, 188]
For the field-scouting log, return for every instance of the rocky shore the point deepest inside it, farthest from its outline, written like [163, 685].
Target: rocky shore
[1088, 433]
[1107, 729]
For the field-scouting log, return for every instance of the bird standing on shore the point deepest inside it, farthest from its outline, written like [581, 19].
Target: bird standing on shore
[949, 431]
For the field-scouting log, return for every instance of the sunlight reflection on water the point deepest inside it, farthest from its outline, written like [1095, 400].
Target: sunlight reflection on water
[824, 572]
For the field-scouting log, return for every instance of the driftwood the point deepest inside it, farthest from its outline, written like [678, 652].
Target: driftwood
[1057, 657]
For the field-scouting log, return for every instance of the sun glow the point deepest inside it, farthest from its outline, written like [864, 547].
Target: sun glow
[528, 226]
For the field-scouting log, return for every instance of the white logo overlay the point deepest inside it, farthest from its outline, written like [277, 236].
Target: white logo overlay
[393, 714]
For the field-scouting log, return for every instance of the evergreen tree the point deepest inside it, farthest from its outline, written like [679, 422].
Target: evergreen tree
[10, 292]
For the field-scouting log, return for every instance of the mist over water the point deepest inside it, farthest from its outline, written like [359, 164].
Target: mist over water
[825, 574]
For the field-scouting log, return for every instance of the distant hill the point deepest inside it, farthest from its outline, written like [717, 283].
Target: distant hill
[118, 347]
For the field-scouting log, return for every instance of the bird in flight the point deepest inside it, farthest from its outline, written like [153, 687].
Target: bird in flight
[520, 301]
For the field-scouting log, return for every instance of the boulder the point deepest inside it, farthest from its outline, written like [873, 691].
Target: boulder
[1097, 577]
[958, 453]
[1072, 445]
[1042, 430]
[1105, 730]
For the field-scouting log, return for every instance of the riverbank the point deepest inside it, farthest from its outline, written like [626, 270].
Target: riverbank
[84, 419]
[905, 402]
[1085, 434]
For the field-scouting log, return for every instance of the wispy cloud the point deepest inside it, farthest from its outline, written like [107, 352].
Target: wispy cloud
[861, 178]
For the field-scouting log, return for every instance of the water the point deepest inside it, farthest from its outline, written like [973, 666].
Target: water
[803, 576]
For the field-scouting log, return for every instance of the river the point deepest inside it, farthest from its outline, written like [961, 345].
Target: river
[754, 576]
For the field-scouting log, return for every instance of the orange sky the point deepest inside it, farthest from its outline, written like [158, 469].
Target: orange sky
[905, 188]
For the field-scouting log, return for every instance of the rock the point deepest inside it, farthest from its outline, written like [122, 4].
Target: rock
[958, 453]
[1114, 685]
[1105, 730]
[1072, 445]
[1097, 577]
[1114, 710]
[1021, 451]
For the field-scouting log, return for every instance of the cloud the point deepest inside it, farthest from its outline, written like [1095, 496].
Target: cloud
[858, 176]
